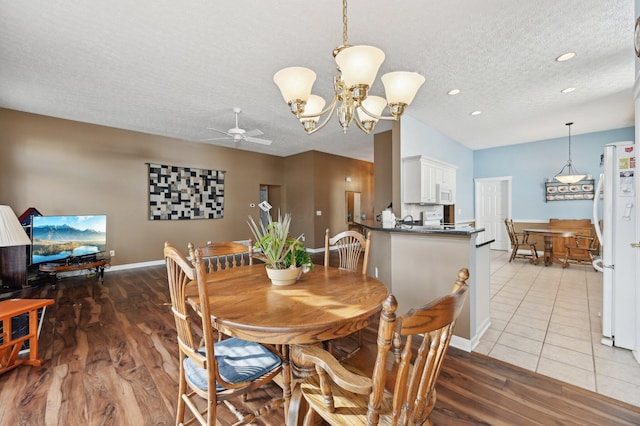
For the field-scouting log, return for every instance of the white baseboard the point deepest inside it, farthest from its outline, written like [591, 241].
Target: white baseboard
[134, 265]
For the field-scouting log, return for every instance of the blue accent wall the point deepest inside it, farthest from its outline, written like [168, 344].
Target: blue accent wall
[531, 164]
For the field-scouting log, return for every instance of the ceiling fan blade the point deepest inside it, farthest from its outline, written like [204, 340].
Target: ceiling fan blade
[258, 140]
[220, 131]
[225, 138]
[254, 132]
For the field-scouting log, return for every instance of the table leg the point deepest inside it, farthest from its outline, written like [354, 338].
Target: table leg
[548, 250]
[286, 379]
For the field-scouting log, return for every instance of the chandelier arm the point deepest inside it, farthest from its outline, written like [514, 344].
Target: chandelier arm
[379, 117]
[359, 124]
[331, 107]
[327, 118]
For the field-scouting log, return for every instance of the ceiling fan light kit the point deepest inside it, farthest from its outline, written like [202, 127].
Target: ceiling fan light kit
[571, 176]
[357, 68]
[237, 134]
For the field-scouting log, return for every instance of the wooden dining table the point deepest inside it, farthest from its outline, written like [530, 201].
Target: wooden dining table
[325, 303]
[548, 235]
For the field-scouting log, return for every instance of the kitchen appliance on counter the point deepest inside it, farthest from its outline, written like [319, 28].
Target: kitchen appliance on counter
[433, 218]
[388, 219]
[618, 212]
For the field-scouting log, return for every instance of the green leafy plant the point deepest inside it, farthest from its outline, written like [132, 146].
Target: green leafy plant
[277, 247]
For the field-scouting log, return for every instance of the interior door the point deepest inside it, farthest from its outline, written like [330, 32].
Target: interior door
[493, 206]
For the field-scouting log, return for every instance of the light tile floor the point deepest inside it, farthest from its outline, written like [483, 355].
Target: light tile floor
[546, 319]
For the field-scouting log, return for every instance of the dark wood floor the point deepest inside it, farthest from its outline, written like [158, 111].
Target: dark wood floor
[111, 359]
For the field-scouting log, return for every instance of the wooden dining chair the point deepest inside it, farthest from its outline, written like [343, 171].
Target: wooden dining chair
[399, 388]
[582, 249]
[518, 242]
[226, 254]
[352, 246]
[211, 372]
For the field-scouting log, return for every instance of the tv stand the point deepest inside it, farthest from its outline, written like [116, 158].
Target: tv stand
[77, 265]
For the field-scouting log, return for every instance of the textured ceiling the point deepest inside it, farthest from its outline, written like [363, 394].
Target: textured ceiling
[175, 68]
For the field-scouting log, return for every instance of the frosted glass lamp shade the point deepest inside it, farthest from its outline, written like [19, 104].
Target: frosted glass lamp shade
[11, 232]
[373, 104]
[401, 86]
[359, 64]
[314, 105]
[295, 83]
[569, 179]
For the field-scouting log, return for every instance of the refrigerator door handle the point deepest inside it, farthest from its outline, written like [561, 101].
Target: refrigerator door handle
[596, 219]
[635, 245]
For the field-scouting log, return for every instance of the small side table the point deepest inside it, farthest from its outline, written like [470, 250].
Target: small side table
[10, 347]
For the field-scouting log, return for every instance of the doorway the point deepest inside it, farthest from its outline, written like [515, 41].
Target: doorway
[273, 195]
[493, 206]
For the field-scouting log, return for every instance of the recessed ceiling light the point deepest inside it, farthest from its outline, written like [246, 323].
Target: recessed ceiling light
[453, 92]
[476, 113]
[566, 56]
[568, 90]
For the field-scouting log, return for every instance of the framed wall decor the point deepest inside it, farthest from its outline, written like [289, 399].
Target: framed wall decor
[185, 193]
[558, 191]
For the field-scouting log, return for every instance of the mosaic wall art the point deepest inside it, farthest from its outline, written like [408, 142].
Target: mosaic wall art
[184, 193]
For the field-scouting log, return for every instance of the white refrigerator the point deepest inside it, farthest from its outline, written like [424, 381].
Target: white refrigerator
[614, 205]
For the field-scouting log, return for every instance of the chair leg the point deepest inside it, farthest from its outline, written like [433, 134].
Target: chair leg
[534, 254]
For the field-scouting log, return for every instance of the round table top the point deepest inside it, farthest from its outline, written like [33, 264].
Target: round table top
[324, 304]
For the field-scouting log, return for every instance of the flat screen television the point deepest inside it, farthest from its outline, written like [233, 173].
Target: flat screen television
[56, 238]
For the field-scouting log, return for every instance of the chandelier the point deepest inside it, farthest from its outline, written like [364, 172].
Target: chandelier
[357, 69]
[571, 176]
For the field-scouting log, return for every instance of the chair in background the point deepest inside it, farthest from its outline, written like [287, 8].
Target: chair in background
[211, 372]
[351, 246]
[518, 242]
[393, 391]
[582, 249]
[227, 254]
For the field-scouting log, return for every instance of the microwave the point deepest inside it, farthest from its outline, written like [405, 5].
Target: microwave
[444, 194]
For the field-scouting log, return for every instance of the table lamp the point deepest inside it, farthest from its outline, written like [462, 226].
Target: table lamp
[13, 255]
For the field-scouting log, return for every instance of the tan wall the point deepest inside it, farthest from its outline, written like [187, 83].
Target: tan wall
[330, 186]
[382, 171]
[67, 167]
[299, 195]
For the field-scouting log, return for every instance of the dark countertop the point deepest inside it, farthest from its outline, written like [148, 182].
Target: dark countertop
[456, 230]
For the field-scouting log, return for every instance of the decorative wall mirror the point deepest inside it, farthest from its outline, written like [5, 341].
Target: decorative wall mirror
[353, 206]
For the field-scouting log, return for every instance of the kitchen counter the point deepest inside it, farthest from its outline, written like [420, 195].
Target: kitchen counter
[432, 229]
[420, 264]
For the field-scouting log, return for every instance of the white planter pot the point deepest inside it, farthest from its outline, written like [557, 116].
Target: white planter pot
[284, 276]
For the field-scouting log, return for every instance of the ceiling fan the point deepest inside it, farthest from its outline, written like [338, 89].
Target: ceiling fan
[237, 134]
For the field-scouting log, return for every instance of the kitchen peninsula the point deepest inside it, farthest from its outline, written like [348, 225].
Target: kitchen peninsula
[419, 264]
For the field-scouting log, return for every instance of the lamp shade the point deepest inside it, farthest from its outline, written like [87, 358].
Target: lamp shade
[401, 86]
[373, 104]
[569, 179]
[11, 232]
[359, 64]
[314, 105]
[295, 83]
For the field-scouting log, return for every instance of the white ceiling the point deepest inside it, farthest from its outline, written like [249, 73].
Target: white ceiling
[175, 68]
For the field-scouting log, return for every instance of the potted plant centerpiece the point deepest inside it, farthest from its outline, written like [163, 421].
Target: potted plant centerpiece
[285, 257]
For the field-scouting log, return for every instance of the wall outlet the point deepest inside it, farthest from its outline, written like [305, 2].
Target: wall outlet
[112, 253]
[318, 212]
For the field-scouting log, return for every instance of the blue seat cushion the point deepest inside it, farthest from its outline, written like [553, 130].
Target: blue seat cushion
[238, 361]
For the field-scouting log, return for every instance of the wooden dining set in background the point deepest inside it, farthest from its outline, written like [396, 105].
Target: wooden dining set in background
[565, 241]
[285, 334]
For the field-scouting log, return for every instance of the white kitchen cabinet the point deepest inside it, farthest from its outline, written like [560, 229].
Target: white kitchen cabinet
[422, 177]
